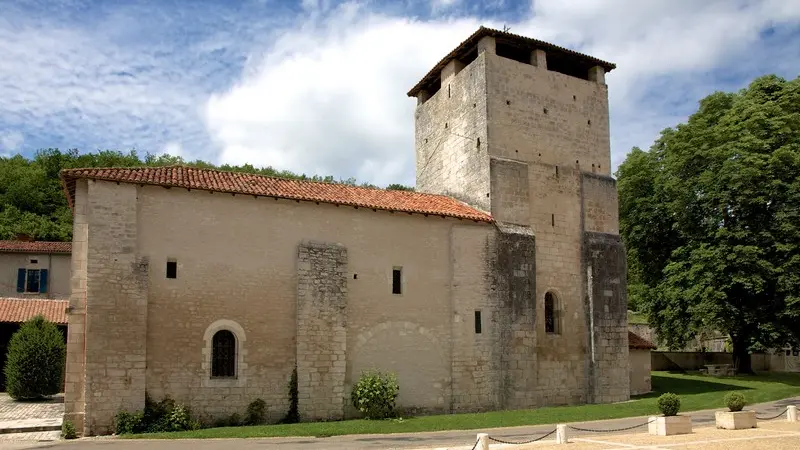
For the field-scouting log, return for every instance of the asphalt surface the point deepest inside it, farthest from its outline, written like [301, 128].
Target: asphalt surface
[455, 440]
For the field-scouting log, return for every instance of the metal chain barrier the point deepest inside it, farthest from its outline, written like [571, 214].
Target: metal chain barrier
[476, 444]
[521, 443]
[614, 430]
[773, 417]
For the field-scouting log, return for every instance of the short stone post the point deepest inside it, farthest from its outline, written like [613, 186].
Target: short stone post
[791, 413]
[561, 434]
[483, 442]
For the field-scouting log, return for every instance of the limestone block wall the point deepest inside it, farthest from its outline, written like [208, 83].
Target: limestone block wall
[476, 360]
[116, 306]
[513, 289]
[321, 330]
[537, 115]
[451, 135]
[600, 203]
[252, 281]
[606, 306]
[555, 220]
[74, 386]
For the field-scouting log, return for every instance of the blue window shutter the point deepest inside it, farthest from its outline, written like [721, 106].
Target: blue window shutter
[43, 280]
[20, 280]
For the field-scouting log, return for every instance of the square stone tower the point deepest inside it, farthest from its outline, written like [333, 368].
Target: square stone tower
[520, 128]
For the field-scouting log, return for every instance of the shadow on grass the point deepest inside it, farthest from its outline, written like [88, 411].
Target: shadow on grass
[688, 386]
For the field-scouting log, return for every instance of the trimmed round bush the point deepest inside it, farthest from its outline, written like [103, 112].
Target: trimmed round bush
[375, 394]
[735, 401]
[669, 404]
[35, 360]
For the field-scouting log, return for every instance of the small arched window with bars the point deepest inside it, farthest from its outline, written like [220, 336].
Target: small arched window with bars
[223, 357]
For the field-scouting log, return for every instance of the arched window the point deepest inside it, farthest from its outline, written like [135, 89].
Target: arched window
[551, 314]
[223, 357]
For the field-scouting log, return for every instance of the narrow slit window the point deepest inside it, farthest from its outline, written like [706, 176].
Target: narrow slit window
[396, 281]
[551, 325]
[172, 269]
[477, 322]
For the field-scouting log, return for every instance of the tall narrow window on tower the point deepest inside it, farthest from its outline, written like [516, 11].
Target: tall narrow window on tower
[397, 278]
[551, 314]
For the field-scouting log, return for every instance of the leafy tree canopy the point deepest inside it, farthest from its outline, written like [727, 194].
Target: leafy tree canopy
[32, 201]
[711, 219]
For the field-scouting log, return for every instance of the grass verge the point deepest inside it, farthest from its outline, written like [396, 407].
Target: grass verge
[697, 392]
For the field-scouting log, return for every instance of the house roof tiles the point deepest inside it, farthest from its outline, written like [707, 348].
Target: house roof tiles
[259, 185]
[18, 310]
[637, 342]
[35, 247]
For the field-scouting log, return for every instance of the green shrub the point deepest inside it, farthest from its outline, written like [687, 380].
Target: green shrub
[374, 394]
[128, 423]
[292, 416]
[35, 361]
[157, 417]
[735, 401]
[179, 419]
[669, 404]
[235, 420]
[256, 412]
[68, 430]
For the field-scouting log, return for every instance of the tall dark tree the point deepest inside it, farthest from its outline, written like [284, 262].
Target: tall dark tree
[711, 218]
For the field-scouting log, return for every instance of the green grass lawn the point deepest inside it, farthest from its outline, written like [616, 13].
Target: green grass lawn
[696, 392]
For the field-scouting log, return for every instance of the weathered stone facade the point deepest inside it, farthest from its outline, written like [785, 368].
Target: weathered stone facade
[165, 276]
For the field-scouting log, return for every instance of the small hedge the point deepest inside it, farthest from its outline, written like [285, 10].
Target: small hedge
[735, 401]
[374, 394]
[35, 360]
[167, 415]
[68, 430]
[669, 404]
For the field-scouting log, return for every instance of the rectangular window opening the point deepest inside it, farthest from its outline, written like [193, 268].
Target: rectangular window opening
[396, 281]
[34, 261]
[32, 284]
[477, 322]
[172, 269]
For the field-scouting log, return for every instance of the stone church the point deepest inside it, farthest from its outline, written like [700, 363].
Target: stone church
[499, 284]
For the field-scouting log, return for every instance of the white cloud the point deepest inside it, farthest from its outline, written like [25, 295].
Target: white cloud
[11, 141]
[329, 97]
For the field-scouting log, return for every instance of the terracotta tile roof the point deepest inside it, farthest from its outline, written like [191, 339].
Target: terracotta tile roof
[637, 342]
[516, 40]
[18, 310]
[249, 184]
[35, 247]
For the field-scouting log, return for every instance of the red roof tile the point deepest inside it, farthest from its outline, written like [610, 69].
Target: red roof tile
[637, 342]
[35, 247]
[250, 184]
[18, 310]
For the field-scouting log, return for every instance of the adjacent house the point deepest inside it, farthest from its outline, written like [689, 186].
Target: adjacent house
[640, 363]
[35, 279]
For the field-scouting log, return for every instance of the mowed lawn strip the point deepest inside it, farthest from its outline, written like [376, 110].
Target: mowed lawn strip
[696, 392]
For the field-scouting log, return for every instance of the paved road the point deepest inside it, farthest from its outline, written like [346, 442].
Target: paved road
[454, 440]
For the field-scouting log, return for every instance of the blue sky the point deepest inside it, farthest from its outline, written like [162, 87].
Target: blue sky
[318, 86]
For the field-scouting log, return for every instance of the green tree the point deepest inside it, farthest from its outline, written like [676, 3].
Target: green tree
[35, 360]
[711, 219]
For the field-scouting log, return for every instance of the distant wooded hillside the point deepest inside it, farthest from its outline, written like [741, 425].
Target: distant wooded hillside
[32, 202]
